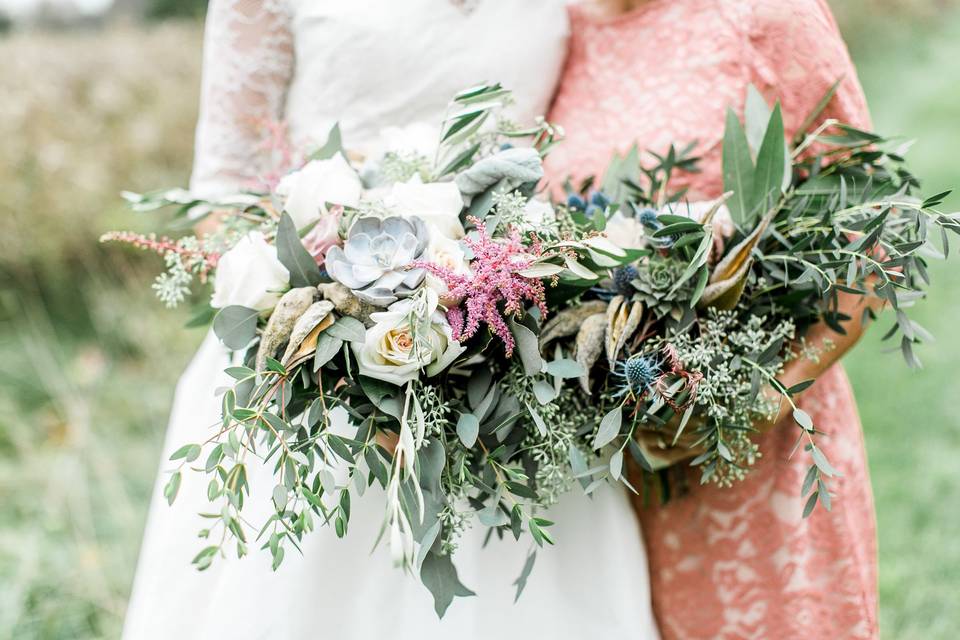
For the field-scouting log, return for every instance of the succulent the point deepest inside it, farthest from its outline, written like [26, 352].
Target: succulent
[654, 285]
[375, 261]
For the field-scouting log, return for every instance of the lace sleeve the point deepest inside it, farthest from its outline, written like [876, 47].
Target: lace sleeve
[797, 54]
[247, 65]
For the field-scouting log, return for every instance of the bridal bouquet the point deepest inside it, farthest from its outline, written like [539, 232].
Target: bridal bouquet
[425, 319]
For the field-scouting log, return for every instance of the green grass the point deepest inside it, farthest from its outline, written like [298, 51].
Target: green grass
[88, 359]
[912, 418]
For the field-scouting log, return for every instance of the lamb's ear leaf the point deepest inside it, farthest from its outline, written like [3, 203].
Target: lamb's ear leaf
[304, 271]
[768, 177]
[236, 326]
[738, 171]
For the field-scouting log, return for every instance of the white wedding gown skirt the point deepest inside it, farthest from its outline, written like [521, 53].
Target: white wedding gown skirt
[592, 584]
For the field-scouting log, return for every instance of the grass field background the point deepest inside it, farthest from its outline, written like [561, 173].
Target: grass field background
[88, 359]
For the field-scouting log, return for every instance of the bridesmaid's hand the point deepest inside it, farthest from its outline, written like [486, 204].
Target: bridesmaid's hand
[388, 440]
[832, 344]
[795, 372]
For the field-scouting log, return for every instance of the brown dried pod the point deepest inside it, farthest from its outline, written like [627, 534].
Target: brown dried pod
[303, 338]
[729, 277]
[346, 303]
[291, 306]
[590, 345]
[621, 325]
[567, 322]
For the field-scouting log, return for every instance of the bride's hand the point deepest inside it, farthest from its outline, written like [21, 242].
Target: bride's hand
[208, 224]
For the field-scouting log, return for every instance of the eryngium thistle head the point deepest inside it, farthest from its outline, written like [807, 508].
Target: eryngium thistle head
[623, 278]
[597, 202]
[651, 224]
[639, 374]
[375, 260]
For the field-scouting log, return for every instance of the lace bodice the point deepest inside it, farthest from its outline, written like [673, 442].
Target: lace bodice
[366, 65]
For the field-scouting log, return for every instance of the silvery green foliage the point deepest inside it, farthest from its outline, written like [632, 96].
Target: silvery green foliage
[375, 259]
[726, 349]
[509, 168]
[173, 285]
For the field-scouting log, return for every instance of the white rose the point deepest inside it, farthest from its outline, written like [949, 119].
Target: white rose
[537, 214]
[446, 253]
[250, 275]
[306, 192]
[438, 203]
[625, 232]
[394, 352]
[418, 138]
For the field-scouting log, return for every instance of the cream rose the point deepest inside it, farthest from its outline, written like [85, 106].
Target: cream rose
[250, 275]
[306, 192]
[396, 351]
[438, 203]
[446, 253]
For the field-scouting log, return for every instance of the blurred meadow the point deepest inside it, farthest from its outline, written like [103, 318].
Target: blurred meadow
[89, 359]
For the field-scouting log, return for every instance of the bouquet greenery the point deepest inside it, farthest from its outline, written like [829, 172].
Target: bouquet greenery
[697, 333]
[492, 350]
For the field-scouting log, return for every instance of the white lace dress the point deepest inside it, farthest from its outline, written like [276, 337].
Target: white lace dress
[367, 65]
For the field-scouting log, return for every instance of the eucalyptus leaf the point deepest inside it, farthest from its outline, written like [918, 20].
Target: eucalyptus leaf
[294, 256]
[236, 326]
[468, 428]
[439, 576]
[609, 428]
[528, 347]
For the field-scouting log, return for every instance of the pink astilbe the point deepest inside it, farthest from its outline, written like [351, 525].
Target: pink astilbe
[495, 279]
[204, 261]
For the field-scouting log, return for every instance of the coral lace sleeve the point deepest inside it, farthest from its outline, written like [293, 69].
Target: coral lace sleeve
[796, 53]
[247, 65]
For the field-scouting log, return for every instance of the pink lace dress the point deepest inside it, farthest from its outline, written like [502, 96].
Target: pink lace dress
[740, 562]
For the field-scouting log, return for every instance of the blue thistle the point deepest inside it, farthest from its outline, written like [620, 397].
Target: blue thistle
[648, 218]
[622, 279]
[639, 374]
[574, 201]
[597, 201]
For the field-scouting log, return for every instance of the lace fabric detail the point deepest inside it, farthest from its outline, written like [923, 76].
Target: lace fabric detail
[248, 62]
[741, 562]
